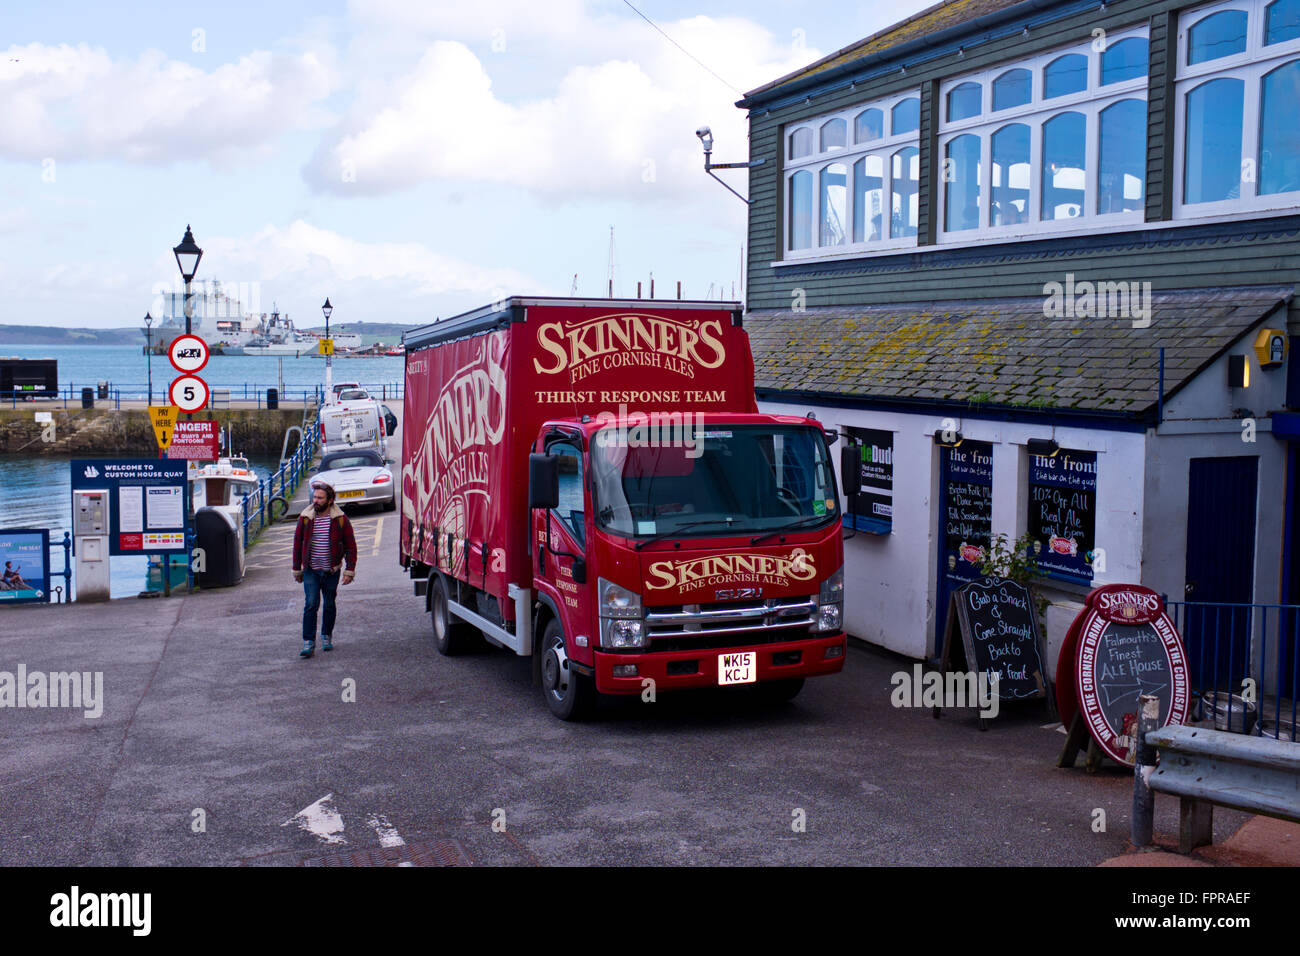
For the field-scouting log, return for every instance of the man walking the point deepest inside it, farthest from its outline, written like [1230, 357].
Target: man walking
[322, 543]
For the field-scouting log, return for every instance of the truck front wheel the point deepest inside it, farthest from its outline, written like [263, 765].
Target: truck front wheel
[452, 635]
[569, 695]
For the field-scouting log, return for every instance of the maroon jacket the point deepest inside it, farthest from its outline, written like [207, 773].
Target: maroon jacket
[342, 542]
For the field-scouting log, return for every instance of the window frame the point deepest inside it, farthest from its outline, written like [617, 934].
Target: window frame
[886, 145]
[1251, 66]
[1091, 101]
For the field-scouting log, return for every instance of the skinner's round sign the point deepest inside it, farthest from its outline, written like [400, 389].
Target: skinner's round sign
[1127, 647]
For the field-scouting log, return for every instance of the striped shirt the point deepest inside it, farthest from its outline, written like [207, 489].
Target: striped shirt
[320, 543]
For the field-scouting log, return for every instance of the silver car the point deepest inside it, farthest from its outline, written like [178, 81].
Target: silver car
[359, 477]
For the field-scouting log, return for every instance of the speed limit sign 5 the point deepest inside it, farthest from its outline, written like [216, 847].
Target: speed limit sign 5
[189, 393]
[188, 354]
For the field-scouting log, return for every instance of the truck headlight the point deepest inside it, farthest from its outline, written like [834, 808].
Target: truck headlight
[620, 613]
[830, 603]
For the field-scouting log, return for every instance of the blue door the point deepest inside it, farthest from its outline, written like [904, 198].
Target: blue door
[1221, 495]
[965, 521]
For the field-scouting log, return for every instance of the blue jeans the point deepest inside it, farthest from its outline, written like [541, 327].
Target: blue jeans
[316, 583]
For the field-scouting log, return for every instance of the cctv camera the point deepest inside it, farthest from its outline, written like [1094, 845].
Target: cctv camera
[703, 131]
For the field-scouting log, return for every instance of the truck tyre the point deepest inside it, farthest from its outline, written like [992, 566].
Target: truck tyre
[779, 691]
[452, 635]
[569, 695]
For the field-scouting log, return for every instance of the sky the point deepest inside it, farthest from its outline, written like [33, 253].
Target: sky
[409, 159]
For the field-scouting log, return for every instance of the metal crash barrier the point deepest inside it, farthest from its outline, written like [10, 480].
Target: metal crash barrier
[1205, 768]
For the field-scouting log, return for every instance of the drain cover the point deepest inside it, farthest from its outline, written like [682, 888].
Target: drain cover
[437, 853]
[261, 607]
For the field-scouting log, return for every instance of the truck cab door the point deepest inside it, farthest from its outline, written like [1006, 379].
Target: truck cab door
[560, 551]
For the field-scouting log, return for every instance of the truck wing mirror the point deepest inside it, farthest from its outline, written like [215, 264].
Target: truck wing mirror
[543, 481]
[832, 435]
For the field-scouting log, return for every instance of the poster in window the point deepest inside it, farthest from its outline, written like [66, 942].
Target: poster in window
[871, 502]
[1063, 512]
[25, 565]
[968, 504]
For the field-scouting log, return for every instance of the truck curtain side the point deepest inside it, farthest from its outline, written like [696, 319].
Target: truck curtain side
[479, 388]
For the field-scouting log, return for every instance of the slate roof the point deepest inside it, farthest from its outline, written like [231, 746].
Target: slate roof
[1003, 352]
[941, 16]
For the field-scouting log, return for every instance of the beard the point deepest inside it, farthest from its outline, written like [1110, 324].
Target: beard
[322, 508]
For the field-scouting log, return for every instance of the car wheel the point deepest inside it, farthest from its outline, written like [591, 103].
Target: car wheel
[451, 635]
[390, 504]
[569, 695]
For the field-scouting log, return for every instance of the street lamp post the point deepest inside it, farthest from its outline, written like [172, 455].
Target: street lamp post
[329, 356]
[188, 255]
[148, 335]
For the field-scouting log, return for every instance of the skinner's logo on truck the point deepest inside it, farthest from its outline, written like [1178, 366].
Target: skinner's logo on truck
[732, 569]
[619, 341]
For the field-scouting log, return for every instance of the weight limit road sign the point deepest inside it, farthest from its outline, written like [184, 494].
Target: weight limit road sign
[189, 393]
[188, 354]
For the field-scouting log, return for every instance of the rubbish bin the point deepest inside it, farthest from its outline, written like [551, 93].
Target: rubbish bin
[103, 390]
[272, 398]
[87, 397]
[214, 532]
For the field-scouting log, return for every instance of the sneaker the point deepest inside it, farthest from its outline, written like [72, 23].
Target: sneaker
[308, 648]
[327, 642]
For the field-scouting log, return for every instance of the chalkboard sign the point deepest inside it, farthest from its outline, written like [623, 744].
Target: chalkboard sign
[1127, 646]
[968, 503]
[1062, 512]
[999, 635]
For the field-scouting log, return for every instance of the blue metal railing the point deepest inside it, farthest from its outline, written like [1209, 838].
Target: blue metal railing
[70, 394]
[283, 483]
[1244, 661]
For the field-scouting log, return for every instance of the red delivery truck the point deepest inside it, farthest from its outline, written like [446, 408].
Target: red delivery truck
[589, 482]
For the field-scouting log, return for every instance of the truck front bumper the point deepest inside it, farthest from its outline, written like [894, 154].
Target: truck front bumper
[674, 670]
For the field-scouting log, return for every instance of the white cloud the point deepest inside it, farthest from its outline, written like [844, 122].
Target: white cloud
[621, 124]
[77, 103]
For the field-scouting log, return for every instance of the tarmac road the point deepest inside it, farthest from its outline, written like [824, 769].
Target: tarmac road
[207, 707]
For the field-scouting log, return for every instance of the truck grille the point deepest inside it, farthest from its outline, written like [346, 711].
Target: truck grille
[691, 626]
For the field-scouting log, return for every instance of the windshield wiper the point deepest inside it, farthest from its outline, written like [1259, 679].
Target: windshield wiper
[802, 523]
[681, 527]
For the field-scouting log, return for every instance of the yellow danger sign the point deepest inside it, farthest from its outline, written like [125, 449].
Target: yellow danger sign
[163, 418]
[326, 346]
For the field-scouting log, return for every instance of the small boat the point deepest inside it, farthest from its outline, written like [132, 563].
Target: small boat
[224, 484]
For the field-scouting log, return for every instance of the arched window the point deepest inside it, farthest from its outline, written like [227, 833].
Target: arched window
[905, 117]
[1065, 74]
[834, 205]
[964, 101]
[1010, 176]
[1121, 177]
[801, 143]
[1282, 21]
[1012, 88]
[961, 177]
[834, 134]
[868, 199]
[1065, 166]
[905, 176]
[1218, 35]
[801, 197]
[1279, 137]
[1125, 60]
[868, 125]
[1212, 141]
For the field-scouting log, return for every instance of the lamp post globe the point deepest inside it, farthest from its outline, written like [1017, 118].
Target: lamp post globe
[188, 255]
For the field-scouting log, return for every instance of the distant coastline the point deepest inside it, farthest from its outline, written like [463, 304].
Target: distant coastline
[389, 333]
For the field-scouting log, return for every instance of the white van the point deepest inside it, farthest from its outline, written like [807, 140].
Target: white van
[352, 424]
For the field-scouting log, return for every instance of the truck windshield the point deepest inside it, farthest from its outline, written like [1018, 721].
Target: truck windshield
[734, 478]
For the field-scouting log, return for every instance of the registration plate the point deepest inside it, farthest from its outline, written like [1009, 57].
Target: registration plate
[740, 668]
[352, 494]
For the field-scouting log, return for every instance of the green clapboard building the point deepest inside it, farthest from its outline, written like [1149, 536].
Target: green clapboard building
[1037, 262]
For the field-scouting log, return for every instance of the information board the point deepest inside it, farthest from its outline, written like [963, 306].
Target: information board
[199, 440]
[24, 565]
[147, 501]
